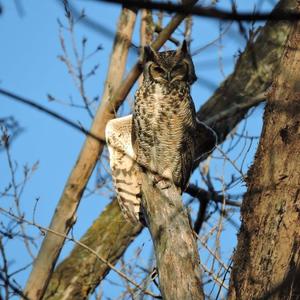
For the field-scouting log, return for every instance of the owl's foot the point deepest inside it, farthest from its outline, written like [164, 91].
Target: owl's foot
[161, 182]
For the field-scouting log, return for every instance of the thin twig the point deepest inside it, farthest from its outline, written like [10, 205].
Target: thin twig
[215, 278]
[204, 244]
[16, 195]
[232, 162]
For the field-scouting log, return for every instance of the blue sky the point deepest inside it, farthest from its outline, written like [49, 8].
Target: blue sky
[30, 67]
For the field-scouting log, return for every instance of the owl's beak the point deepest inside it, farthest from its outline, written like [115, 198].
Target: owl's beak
[169, 76]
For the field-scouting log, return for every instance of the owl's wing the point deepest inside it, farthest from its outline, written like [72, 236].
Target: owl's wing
[187, 161]
[125, 170]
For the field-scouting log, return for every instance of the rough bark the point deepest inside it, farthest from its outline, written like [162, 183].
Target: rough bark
[64, 216]
[175, 246]
[267, 260]
[237, 88]
[72, 279]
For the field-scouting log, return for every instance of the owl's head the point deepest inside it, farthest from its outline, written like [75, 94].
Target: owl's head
[169, 66]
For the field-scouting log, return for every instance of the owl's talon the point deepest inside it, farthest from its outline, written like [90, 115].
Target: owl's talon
[160, 182]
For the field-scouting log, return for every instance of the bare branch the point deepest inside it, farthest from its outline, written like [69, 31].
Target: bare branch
[210, 12]
[165, 216]
[204, 195]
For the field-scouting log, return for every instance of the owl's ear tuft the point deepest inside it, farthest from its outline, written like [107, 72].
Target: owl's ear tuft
[182, 50]
[184, 47]
[149, 54]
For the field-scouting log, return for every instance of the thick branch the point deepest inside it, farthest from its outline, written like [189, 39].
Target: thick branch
[243, 84]
[174, 243]
[267, 260]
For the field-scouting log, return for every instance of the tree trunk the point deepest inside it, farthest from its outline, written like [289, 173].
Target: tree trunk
[267, 260]
[175, 246]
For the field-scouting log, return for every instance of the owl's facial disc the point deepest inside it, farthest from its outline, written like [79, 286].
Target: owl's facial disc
[163, 75]
[169, 66]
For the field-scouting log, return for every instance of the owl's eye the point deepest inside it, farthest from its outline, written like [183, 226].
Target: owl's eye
[179, 72]
[179, 69]
[157, 73]
[158, 69]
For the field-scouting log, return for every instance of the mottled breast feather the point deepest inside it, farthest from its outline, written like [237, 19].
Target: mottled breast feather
[164, 124]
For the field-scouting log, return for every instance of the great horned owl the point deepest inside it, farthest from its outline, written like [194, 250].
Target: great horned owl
[162, 135]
